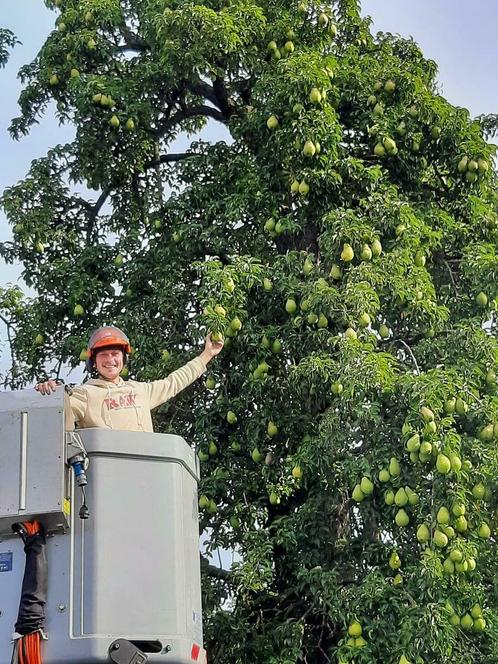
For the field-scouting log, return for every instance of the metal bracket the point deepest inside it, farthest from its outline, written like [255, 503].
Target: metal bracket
[122, 651]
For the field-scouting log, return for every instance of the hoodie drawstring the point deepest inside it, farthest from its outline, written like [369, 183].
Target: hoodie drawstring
[106, 417]
[115, 392]
[138, 412]
[109, 424]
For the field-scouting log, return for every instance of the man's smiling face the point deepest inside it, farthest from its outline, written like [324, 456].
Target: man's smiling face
[109, 363]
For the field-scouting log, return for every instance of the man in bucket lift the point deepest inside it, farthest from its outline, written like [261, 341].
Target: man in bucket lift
[110, 402]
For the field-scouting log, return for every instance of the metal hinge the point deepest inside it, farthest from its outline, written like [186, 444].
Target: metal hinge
[122, 651]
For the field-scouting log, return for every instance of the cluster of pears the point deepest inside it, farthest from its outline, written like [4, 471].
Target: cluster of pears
[404, 495]
[363, 489]
[274, 346]
[212, 451]
[312, 318]
[420, 447]
[472, 168]
[471, 620]
[231, 327]
[489, 432]
[375, 99]
[274, 228]
[310, 147]
[107, 101]
[367, 252]
[324, 21]
[395, 564]
[300, 187]
[422, 450]
[448, 524]
[386, 147]
[207, 504]
[356, 639]
[288, 47]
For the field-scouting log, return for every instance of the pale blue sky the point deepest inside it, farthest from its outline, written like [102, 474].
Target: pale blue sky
[460, 36]
[30, 21]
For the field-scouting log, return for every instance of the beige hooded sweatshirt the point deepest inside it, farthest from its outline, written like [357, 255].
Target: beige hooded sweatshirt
[126, 405]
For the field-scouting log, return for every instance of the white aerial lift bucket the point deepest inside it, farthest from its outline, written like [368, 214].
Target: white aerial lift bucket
[124, 583]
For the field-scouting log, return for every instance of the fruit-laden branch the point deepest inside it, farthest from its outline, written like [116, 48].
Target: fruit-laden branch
[190, 112]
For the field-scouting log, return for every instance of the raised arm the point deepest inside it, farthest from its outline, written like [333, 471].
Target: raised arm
[211, 349]
[160, 391]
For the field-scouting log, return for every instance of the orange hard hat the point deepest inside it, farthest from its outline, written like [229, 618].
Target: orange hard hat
[108, 336]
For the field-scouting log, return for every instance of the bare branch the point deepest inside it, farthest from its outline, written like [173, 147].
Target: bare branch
[450, 272]
[216, 572]
[203, 90]
[132, 41]
[222, 97]
[58, 369]
[190, 112]
[95, 209]
[410, 352]
[169, 158]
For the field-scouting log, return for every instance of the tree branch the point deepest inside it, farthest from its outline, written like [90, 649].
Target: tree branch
[450, 272]
[169, 158]
[139, 47]
[216, 572]
[410, 352]
[95, 209]
[203, 90]
[9, 326]
[132, 41]
[190, 112]
[217, 94]
[222, 97]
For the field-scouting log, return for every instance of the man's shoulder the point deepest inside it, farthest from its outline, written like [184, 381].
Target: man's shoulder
[78, 390]
[135, 383]
[84, 388]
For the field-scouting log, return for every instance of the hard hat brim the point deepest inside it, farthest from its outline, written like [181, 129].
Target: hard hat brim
[109, 341]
